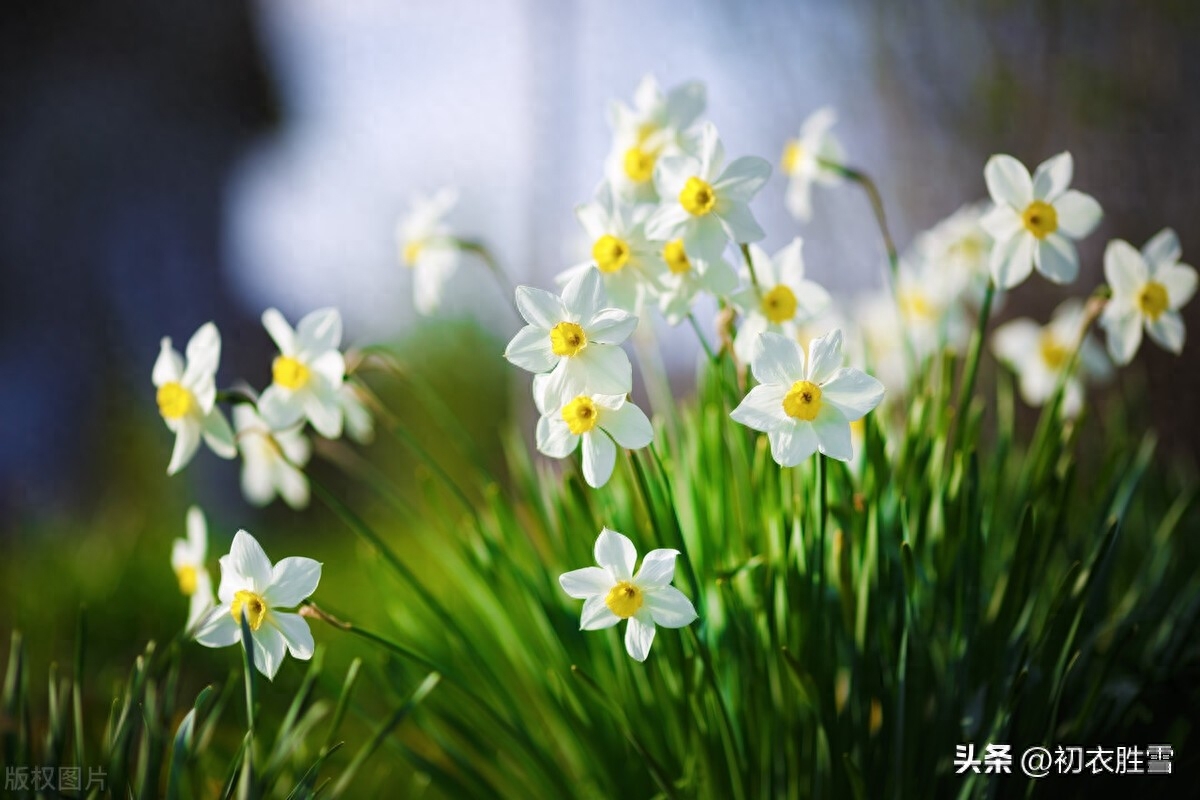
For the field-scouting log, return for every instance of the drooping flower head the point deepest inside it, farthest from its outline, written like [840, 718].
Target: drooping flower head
[802, 161]
[613, 593]
[187, 559]
[601, 422]
[1039, 355]
[427, 246]
[630, 265]
[1148, 289]
[251, 586]
[704, 202]
[575, 337]
[271, 459]
[783, 300]
[688, 277]
[806, 406]
[187, 397]
[654, 126]
[307, 374]
[1036, 219]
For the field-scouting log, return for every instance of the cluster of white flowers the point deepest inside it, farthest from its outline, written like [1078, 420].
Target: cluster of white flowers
[308, 384]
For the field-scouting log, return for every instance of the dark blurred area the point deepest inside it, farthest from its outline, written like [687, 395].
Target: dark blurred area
[122, 121]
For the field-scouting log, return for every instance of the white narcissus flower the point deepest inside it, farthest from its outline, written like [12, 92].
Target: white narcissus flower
[705, 203]
[613, 593]
[428, 247]
[600, 421]
[929, 312]
[653, 127]
[1036, 219]
[187, 397]
[802, 158]
[575, 337]
[629, 263]
[1039, 354]
[1148, 289]
[252, 587]
[782, 301]
[805, 408]
[271, 460]
[687, 277]
[956, 252]
[187, 559]
[307, 374]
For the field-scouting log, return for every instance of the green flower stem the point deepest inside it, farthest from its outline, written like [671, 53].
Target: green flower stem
[971, 372]
[872, 191]
[478, 249]
[712, 356]
[822, 513]
[750, 266]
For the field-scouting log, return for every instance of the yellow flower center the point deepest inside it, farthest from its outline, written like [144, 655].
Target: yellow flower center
[624, 599]
[676, 257]
[1054, 353]
[255, 606]
[1040, 219]
[412, 251]
[580, 415]
[189, 579]
[803, 401]
[915, 306]
[697, 197]
[567, 339]
[639, 164]
[1152, 299]
[779, 304]
[610, 253]
[793, 152]
[289, 373]
[971, 248]
[174, 401]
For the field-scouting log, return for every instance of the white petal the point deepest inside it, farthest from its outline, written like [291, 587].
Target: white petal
[596, 615]
[247, 559]
[639, 635]
[1163, 248]
[1053, 176]
[1124, 335]
[742, 179]
[852, 392]
[269, 648]
[1124, 268]
[657, 570]
[530, 350]
[616, 554]
[793, 444]
[745, 341]
[777, 359]
[1168, 331]
[319, 331]
[539, 307]
[833, 433]
[1008, 181]
[670, 608]
[292, 484]
[762, 409]
[330, 365]
[220, 629]
[706, 237]
[711, 151]
[325, 412]
[791, 263]
[295, 632]
[218, 435]
[599, 458]
[605, 369]
[825, 356]
[799, 197]
[1057, 259]
[554, 437]
[739, 224]
[628, 425]
[587, 582]
[1180, 282]
[1001, 223]
[197, 534]
[203, 352]
[1078, 214]
[292, 580]
[280, 407]
[670, 175]
[201, 600]
[187, 440]
[280, 331]
[1016, 342]
[584, 296]
[610, 326]
[667, 222]
[168, 367]
[1012, 261]
[258, 481]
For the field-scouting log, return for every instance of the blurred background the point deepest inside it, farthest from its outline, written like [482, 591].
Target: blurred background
[168, 164]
